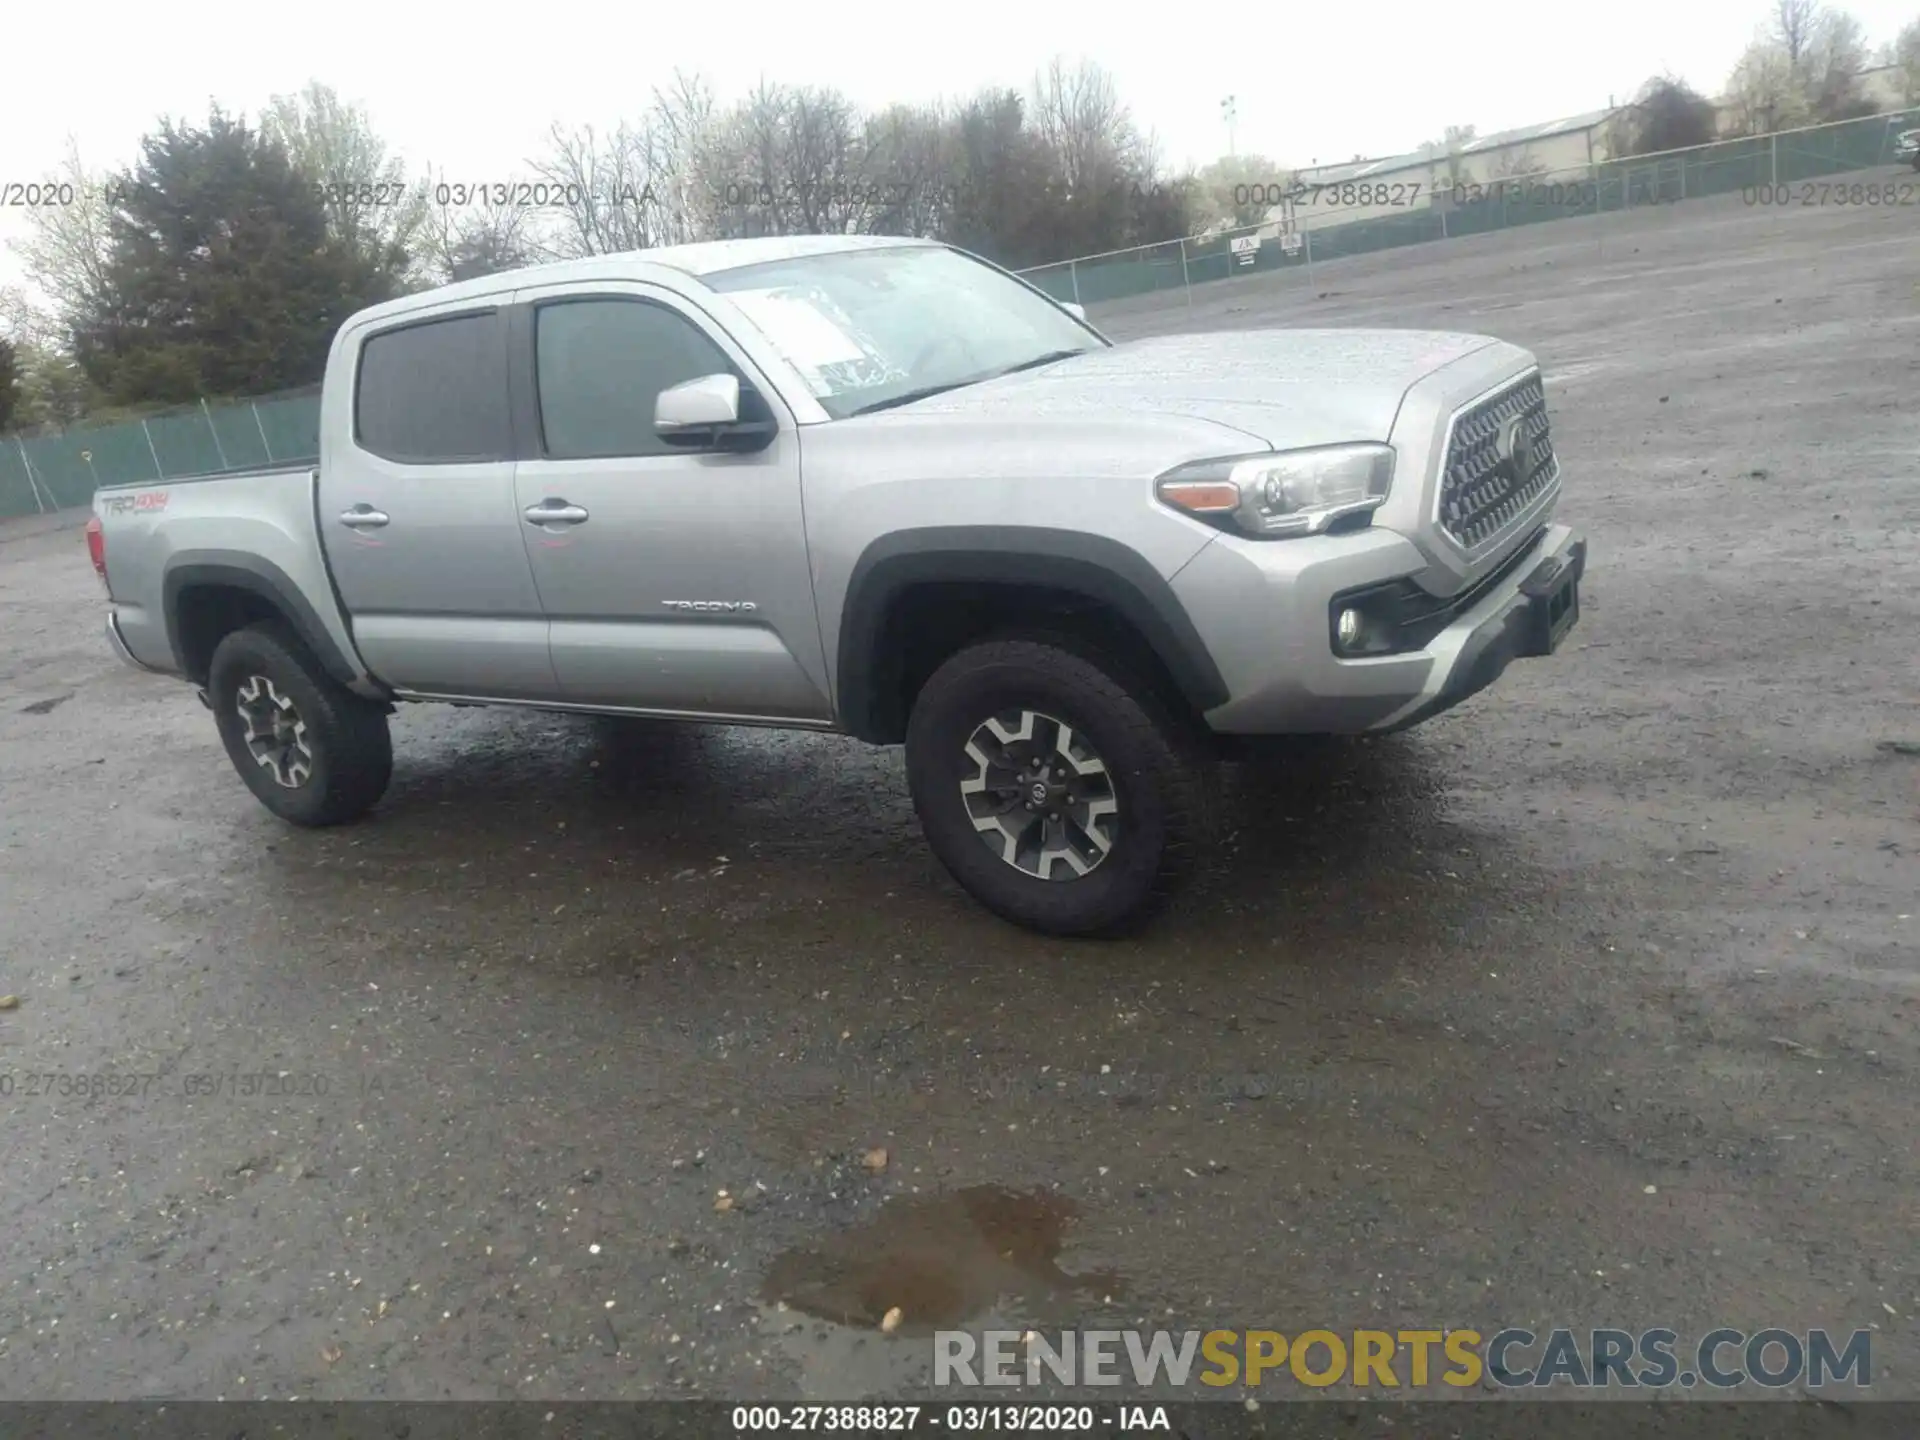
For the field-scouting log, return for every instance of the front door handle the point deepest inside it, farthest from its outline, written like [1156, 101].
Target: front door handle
[363, 517]
[554, 512]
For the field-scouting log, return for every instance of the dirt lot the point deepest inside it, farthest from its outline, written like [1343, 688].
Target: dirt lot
[1596, 1002]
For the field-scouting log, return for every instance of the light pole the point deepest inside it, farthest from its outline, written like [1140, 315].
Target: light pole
[1227, 113]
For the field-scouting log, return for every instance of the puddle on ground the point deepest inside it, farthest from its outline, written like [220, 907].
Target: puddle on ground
[941, 1258]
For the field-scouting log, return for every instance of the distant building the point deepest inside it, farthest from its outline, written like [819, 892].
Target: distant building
[1367, 189]
[1433, 176]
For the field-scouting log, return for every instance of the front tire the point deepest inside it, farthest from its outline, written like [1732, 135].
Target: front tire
[1055, 788]
[312, 751]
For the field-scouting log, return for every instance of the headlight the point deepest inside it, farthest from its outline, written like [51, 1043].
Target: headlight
[1292, 492]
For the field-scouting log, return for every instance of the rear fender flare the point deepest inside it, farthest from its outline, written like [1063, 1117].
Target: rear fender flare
[194, 568]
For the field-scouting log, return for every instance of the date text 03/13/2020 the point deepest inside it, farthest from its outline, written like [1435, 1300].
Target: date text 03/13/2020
[951, 1419]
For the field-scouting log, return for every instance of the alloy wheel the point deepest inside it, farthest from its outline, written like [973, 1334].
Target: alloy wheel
[1039, 795]
[275, 735]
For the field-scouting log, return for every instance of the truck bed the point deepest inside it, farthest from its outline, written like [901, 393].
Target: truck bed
[242, 531]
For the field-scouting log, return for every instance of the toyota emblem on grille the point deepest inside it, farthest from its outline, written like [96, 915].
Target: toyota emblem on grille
[1515, 446]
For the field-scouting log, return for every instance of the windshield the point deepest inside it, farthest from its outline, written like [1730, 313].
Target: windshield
[873, 328]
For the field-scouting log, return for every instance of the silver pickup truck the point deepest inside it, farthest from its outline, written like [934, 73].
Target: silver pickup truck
[875, 486]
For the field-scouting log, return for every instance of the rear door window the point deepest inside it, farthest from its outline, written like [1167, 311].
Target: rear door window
[435, 393]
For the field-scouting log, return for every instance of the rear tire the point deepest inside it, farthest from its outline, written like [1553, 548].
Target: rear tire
[312, 751]
[1055, 787]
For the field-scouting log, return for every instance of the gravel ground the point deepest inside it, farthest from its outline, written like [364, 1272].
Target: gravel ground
[1591, 1003]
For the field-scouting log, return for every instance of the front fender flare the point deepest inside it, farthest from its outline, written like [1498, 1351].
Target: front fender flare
[1092, 566]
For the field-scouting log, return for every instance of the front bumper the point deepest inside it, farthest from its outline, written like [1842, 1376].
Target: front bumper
[1527, 622]
[1264, 609]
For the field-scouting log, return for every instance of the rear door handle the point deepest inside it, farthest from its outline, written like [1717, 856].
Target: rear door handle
[363, 517]
[554, 512]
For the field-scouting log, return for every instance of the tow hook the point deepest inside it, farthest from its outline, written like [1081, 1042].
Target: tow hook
[202, 693]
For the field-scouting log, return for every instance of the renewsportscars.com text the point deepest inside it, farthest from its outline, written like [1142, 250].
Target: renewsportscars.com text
[1512, 1358]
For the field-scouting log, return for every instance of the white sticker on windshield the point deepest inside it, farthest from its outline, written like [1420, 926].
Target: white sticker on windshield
[807, 337]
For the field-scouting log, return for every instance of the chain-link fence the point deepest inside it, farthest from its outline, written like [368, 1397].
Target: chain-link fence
[53, 471]
[1766, 169]
[50, 472]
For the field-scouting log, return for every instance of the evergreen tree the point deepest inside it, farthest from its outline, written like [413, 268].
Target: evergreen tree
[221, 276]
[1667, 114]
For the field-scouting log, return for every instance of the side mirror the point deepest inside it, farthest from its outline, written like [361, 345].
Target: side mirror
[697, 405]
[1073, 308]
[705, 414]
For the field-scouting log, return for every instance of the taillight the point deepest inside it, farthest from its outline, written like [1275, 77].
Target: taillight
[97, 547]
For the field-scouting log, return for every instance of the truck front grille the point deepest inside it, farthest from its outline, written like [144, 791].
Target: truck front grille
[1484, 489]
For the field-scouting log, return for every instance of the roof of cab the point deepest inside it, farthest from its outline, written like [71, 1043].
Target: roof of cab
[706, 257]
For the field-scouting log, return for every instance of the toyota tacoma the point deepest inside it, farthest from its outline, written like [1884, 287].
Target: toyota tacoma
[874, 486]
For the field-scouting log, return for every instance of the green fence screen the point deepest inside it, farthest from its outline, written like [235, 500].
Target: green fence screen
[52, 472]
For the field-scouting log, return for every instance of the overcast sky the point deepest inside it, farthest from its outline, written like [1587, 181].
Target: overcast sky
[450, 87]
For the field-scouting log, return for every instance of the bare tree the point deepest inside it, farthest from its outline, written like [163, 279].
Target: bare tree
[789, 161]
[743, 167]
[1906, 54]
[1763, 93]
[1794, 22]
[827, 191]
[1804, 68]
[635, 186]
[470, 231]
[1830, 67]
[370, 205]
[1078, 116]
[19, 318]
[910, 156]
[63, 255]
[1105, 185]
[680, 126]
[600, 187]
[53, 389]
[50, 388]
[1241, 190]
